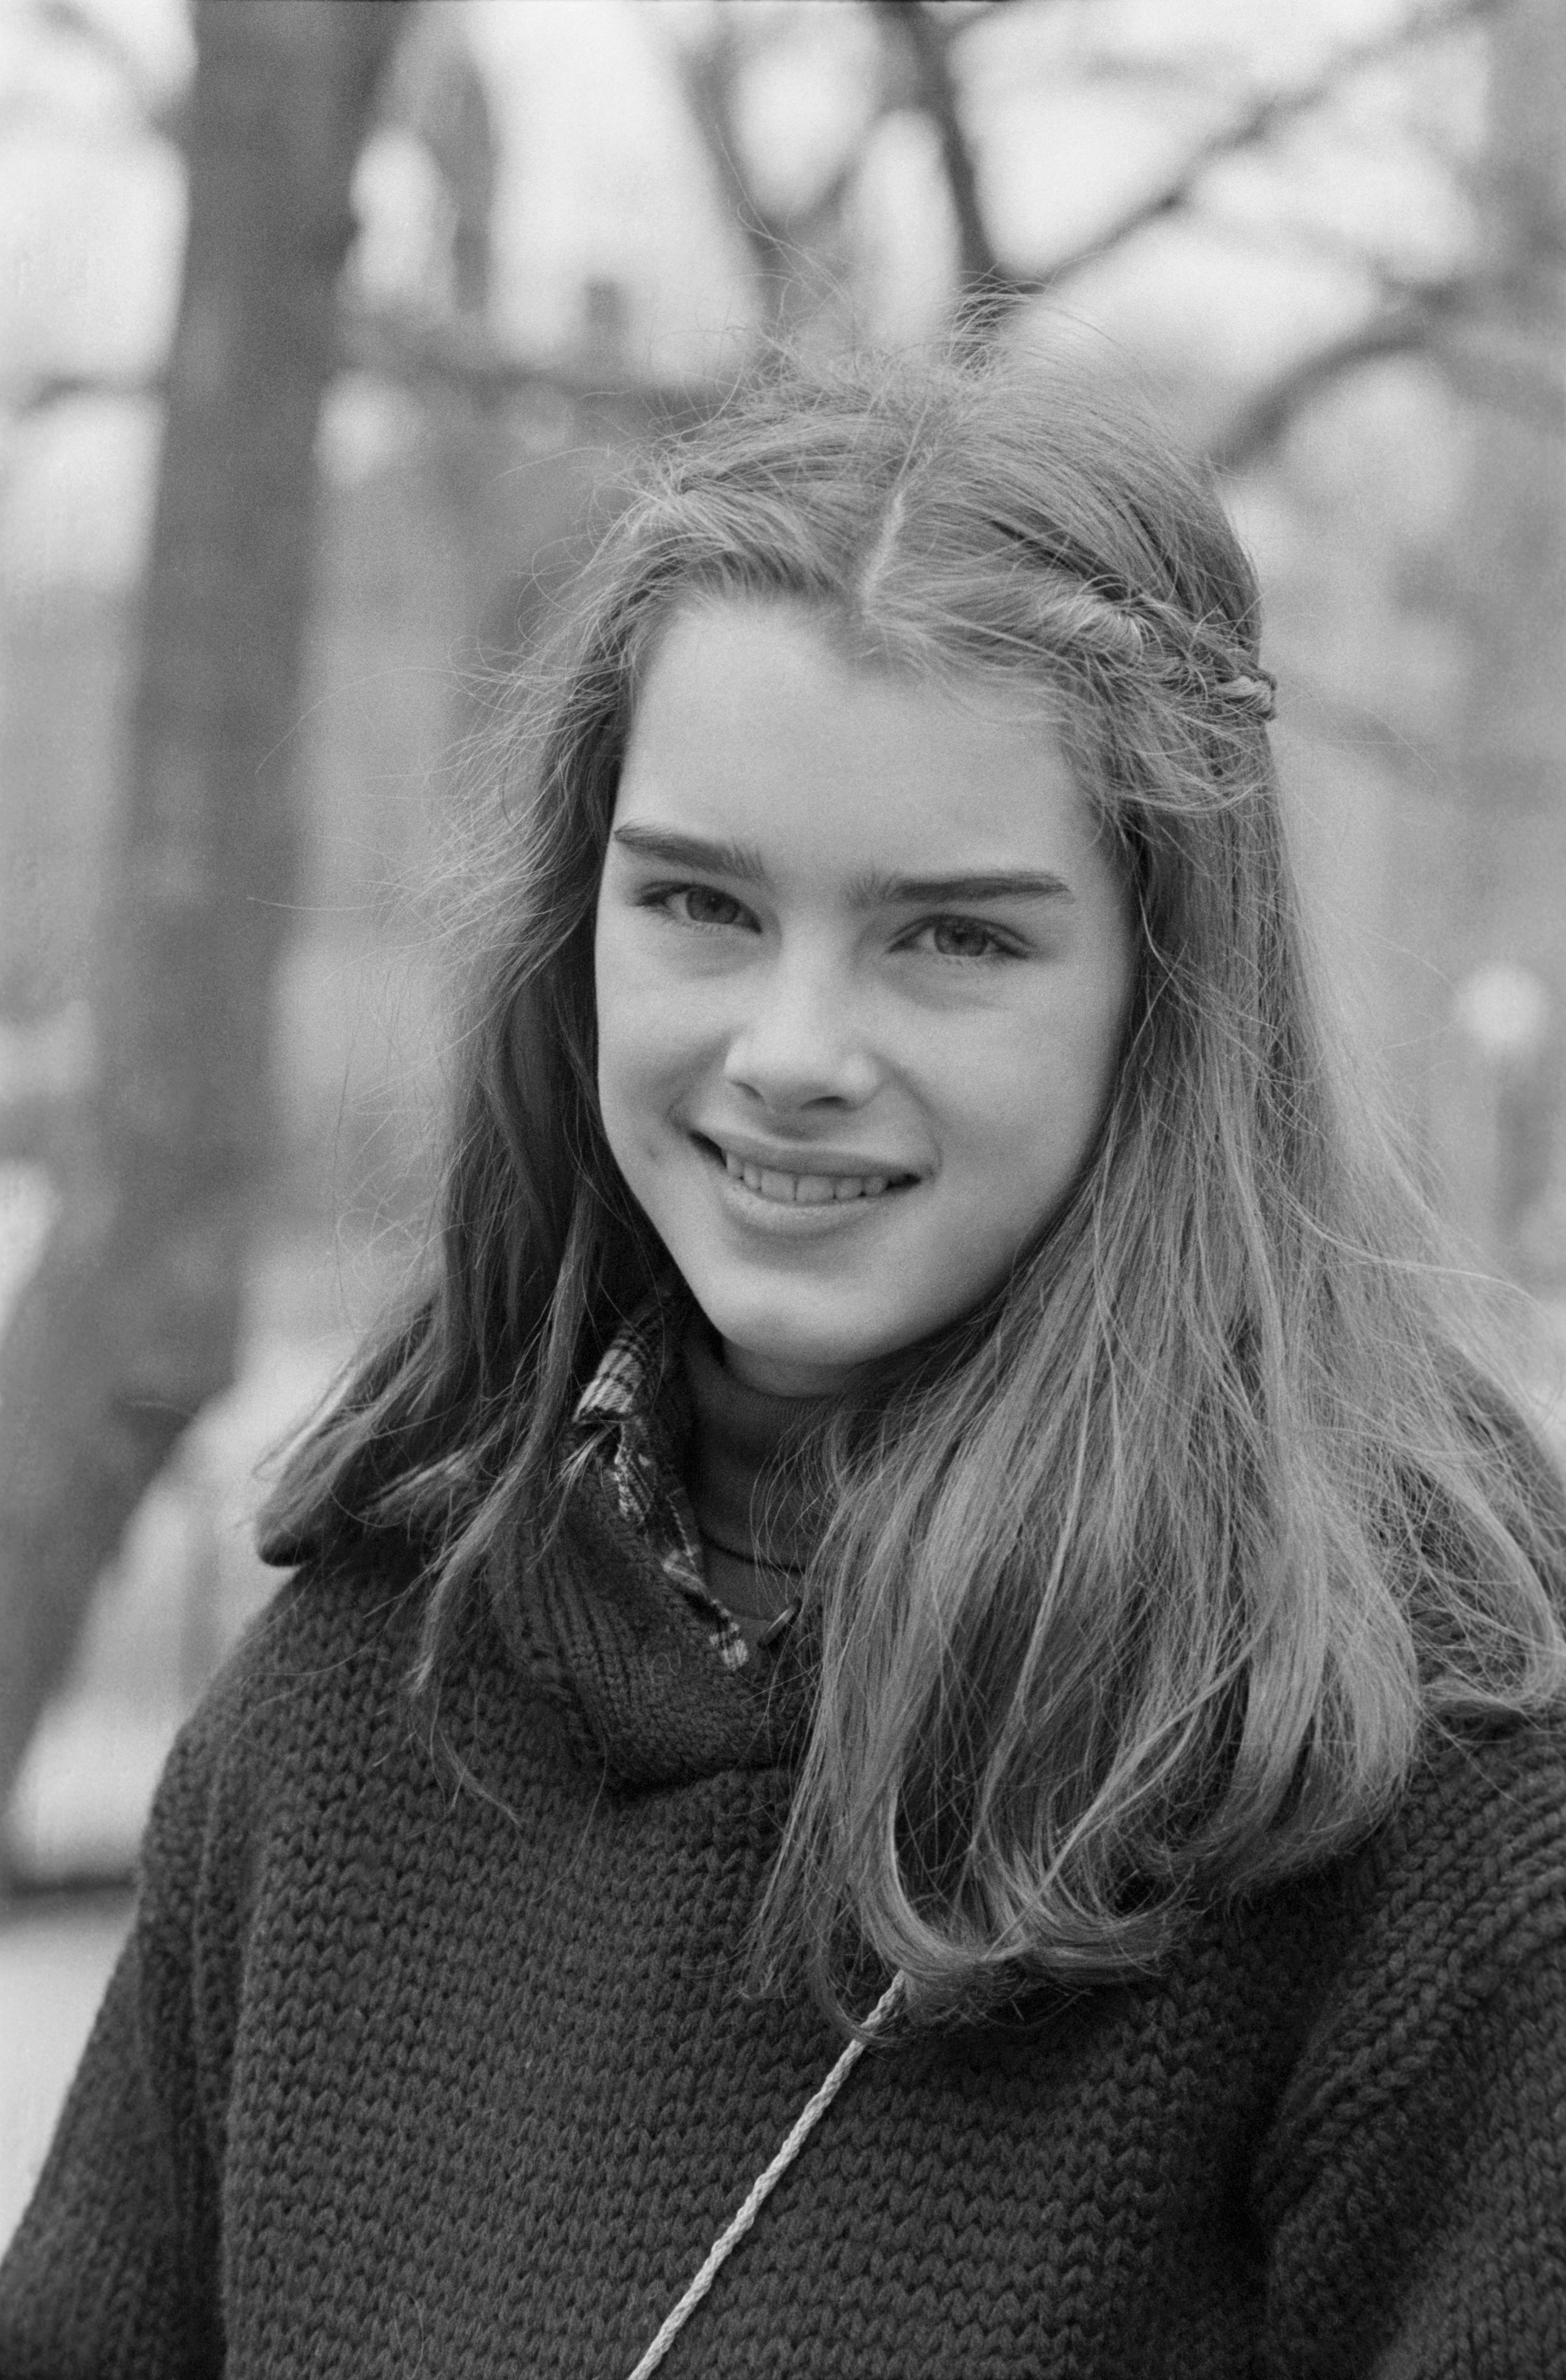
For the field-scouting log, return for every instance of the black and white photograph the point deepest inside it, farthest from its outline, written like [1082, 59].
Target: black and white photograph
[782, 1189]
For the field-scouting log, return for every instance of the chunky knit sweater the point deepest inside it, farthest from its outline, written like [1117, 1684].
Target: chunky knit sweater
[398, 2078]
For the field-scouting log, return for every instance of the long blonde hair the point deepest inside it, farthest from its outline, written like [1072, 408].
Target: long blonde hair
[1150, 1587]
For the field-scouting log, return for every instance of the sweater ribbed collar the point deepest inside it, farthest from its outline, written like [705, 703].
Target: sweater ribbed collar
[616, 1625]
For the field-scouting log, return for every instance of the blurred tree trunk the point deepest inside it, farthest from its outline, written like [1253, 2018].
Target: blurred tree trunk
[130, 1322]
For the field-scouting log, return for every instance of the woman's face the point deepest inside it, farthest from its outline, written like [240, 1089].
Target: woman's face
[862, 967]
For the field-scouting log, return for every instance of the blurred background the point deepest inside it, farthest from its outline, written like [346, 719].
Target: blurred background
[322, 326]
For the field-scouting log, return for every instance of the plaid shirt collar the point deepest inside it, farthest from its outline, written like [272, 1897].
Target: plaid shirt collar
[617, 1429]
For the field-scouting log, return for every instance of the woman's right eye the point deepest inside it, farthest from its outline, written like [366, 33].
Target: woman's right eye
[696, 905]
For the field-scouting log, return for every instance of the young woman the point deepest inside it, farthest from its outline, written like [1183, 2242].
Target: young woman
[929, 1499]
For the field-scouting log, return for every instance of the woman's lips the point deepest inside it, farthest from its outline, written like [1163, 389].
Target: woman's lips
[807, 1189]
[787, 1188]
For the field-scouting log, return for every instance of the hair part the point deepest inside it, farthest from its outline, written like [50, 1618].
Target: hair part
[1153, 1586]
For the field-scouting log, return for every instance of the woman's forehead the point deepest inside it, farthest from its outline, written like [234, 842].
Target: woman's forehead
[861, 636]
[738, 653]
[755, 728]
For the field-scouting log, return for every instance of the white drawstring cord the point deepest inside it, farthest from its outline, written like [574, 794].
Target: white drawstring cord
[763, 2187]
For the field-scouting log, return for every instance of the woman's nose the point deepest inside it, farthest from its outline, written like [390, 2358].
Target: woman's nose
[803, 1038]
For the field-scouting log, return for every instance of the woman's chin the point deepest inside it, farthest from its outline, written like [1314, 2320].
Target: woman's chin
[789, 1370]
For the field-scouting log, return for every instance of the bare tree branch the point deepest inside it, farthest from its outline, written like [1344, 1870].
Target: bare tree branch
[420, 355]
[949, 24]
[461, 355]
[1454, 320]
[926, 39]
[161, 111]
[927, 48]
[1251, 127]
[782, 244]
[708, 72]
[1264, 417]
[1509, 377]
[1447, 317]
[1525, 387]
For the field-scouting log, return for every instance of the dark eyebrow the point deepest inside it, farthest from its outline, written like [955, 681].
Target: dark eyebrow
[997, 884]
[746, 865]
[691, 851]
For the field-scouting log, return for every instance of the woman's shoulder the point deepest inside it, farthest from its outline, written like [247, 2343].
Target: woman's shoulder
[329, 1632]
[1459, 1891]
[1466, 1869]
[1483, 1814]
[314, 1691]
[1426, 1974]
[1469, 1871]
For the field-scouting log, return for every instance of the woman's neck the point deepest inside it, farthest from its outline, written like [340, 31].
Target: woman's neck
[759, 1514]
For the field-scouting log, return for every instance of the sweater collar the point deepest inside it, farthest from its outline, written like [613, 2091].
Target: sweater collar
[618, 1627]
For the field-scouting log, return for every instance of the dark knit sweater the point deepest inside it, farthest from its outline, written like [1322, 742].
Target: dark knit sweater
[395, 2079]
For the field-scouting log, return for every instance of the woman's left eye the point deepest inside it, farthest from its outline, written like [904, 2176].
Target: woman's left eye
[963, 938]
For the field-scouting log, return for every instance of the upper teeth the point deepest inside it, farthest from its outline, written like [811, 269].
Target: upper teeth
[805, 1189]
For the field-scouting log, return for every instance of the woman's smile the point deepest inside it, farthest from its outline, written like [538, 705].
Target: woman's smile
[804, 1178]
[862, 964]
[799, 1202]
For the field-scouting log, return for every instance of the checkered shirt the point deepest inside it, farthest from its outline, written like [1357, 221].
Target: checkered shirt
[613, 1430]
